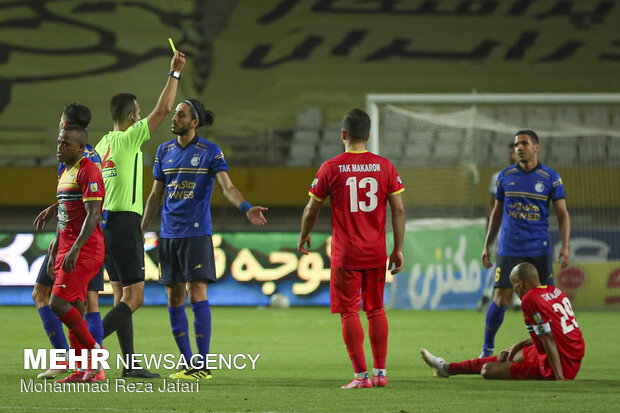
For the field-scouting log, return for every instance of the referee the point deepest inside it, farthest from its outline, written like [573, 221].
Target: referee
[122, 209]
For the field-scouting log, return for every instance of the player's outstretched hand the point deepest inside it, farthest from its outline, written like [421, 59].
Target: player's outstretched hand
[301, 244]
[44, 216]
[486, 257]
[255, 215]
[564, 256]
[178, 61]
[396, 262]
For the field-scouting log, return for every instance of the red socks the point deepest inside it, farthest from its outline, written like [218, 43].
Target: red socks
[378, 333]
[78, 329]
[353, 335]
[469, 366]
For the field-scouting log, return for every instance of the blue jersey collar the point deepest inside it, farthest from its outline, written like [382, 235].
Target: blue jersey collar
[538, 165]
[192, 142]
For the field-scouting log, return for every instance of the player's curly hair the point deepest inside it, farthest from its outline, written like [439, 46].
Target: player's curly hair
[197, 109]
[77, 114]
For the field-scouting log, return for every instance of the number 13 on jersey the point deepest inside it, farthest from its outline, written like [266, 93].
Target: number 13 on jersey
[367, 184]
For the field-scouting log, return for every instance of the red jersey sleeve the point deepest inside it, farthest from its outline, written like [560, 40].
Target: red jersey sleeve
[395, 185]
[533, 312]
[90, 180]
[319, 189]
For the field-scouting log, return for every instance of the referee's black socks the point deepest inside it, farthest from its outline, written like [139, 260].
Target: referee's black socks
[117, 317]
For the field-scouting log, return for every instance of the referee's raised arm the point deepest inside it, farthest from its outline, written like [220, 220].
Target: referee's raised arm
[168, 95]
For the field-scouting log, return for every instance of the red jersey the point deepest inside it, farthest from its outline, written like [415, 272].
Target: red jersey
[548, 308]
[81, 183]
[358, 184]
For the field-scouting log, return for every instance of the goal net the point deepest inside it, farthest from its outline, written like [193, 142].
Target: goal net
[447, 147]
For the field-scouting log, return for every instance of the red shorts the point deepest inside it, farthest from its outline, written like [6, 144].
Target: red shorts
[534, 367]
[73, 286]
[345, 286]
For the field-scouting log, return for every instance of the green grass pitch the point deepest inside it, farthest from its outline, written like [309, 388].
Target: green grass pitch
[303, 363]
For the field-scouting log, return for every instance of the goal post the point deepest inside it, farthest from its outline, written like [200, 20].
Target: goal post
[453, 143]
[446, 148]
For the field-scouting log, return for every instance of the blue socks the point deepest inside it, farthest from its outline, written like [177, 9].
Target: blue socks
[53, 327]
[180, 330]
[495, 317]
[95, 326]
[202, 326]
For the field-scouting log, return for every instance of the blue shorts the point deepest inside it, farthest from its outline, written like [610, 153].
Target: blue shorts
[186, 259]
[505, 264]
[96, 284]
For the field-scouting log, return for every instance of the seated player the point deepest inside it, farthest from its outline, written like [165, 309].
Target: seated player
[553, 352]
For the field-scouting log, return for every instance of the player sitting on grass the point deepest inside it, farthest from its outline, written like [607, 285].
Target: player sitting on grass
[77, 251]
[553, 352]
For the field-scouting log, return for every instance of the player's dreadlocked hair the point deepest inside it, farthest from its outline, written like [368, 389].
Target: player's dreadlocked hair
[205, 117]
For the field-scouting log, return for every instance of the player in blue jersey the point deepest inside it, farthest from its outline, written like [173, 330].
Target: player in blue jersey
[185, 169]
[72, 114]
[524, 194]
[487, 293]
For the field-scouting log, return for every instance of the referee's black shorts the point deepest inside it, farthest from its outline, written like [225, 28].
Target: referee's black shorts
[124, 247]
[186, 259]
[96, 284]
[505, 264]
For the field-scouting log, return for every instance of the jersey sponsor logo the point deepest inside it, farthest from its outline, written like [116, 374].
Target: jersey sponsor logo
[539, 187]
[529, 212]
[314, 182]
[181, 190]
[108, 166]
[94, 187]
[195, 160]
[63, 216]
